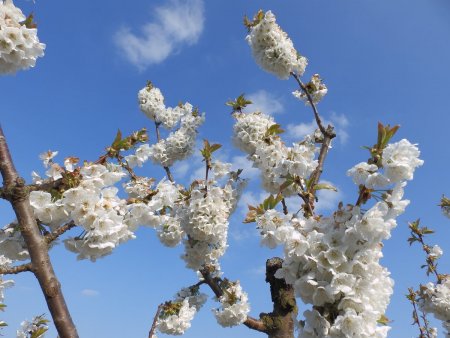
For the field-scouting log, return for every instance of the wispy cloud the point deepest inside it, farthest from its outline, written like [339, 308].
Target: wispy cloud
[339, 121]
[265, 102]
[241, 162]
[89, 293]
[174, 25]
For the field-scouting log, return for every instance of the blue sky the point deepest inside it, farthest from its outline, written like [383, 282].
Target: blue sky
[381, 60]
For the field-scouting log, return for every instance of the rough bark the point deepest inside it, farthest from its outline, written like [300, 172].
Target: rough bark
[17, 194]
[279, 322]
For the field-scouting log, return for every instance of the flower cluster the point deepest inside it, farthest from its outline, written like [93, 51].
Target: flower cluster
[36, 328]
[316, 90]
[435, 299]
[204, 219]
[176, 316]
[399, 161]
[19, 44]
[234, 305]
[180, 143]
[257, 135]
[331, 262]
[272, 49]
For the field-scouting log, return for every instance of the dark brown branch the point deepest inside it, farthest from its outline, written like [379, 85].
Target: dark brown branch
[18, 195]
[279, 322]
[213, 283]
[15, 269]
[158, 138]
[155, 320]
[50, 237]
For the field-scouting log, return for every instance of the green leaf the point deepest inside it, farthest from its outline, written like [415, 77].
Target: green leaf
[274, 129]
[117, 140]
[324, 186]
[383, 320]
[39, 332]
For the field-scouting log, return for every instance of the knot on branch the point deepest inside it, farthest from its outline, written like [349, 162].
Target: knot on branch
[16, 191]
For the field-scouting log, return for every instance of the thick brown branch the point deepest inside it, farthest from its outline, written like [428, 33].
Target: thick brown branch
[250, 322]
[50, 237]
[18, 195]
[15, 269]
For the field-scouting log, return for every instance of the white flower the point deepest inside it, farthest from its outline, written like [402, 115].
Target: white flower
[436, 252]
[151, 102]
[47, 156]
[234, 306]
[177, 324]
[316, 89]
[272, 48]
[400, 160]
[19, 44]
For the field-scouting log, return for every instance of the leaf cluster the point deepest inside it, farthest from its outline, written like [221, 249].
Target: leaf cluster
[269, 203]
[240, 103]
[249, 24]
[385, 134]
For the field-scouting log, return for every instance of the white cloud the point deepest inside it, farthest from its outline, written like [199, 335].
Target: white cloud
[175, 24]
[180, 169]
[241, 162]
[265, 102]
[339, 121]
[89, 293]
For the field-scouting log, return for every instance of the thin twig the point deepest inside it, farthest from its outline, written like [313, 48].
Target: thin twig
[16, 269]
[328, 134]
[311, 102]
[50, 237]
[285, 209]
[155, 320]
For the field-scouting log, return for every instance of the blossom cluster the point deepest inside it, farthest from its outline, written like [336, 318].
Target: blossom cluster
[176, 316]
[399, 160]
[435, 299]
[179, 144]
[272, 49]
[234, 305]
[257, 135]
[315, 88]
[19, 44]
[36, 328]
[332, 262]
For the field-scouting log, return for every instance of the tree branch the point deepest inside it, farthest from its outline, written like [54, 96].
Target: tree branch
[16, 269]
[50, 237]
[18, 196]
[250, 322]
[328, 134]
[155, 320]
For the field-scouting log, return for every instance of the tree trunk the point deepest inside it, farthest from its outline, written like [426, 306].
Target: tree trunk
[18, 195]
[280, 322]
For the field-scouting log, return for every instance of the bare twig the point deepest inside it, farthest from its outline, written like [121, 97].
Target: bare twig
[50, 237]
[18, 196]
[311, 102]
[155, 320]
[15, 269]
